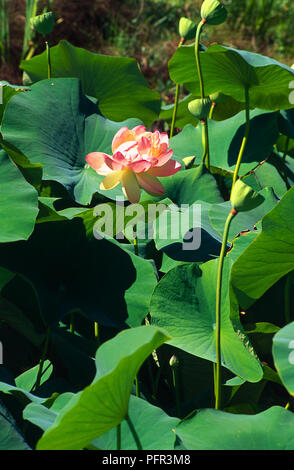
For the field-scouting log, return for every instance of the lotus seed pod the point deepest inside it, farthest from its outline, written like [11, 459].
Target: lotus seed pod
[200, 108]
[174, 361]
[218, 98]
[213, 12]
[244, 198]
[187, 28]
[43, 23]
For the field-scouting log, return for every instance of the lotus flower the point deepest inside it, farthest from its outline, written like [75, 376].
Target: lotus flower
[138, 158]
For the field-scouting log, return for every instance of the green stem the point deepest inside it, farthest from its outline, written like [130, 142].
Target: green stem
[176, 387]
[197, 56]
[30, 53]
[134, 433]
[202, 94]
[71, 325]
[214, 377]
[205, 143]
[135, 241]
[35, 8]
[171, 133]
[118, 437]
[218, 310]
[48, 59]
[96, 333]
[42, 360]
[245, 138]
[136, 249]
[213, 105]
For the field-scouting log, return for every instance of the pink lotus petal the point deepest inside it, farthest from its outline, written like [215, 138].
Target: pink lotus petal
[163, 148]
[150, 184]
[169, 168]
[130, 186]
[112, 164]
[149, 158]
[156, 136]
[144, 146]
[138, 130]
[123, 135]
[96, 160]
[139, 166]
[164, 138]
[165, 157]
[119, 158]
[127, 146]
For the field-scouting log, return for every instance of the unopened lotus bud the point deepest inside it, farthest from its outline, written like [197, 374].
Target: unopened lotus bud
[218, 98]
[244, 198]
[213, 11]
[187, 28]
[200, 108]
[43, 23]
[174, 361]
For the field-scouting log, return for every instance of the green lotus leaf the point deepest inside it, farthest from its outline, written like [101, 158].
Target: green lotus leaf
[217, 430]
[60, 141]
[258, 73]
[18, 203]
[269, 257]
[104, 403]
[116, 82]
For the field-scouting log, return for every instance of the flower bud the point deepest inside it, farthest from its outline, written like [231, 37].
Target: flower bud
[43, 23]
[187, 28]
[244, 198]
[174, 361]
[200, 108]
[213, 11]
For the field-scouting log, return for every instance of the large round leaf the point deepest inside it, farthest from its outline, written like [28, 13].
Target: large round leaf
[283, 346]
[18, 203]
[104, 403]
[62, 140]
[143, 416]
[109, 284]
[10, 436]
[41, 415]
[218, 214]
[222, 111]
[186, 187]
[116, 82]
[274, 171]
[7, 91]
[229, 71]
[269, 257]
[209, 429]
[225, 139]
[184, 303]
[187, 234]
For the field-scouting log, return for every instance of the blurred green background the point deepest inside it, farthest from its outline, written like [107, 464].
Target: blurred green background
[146, 30]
